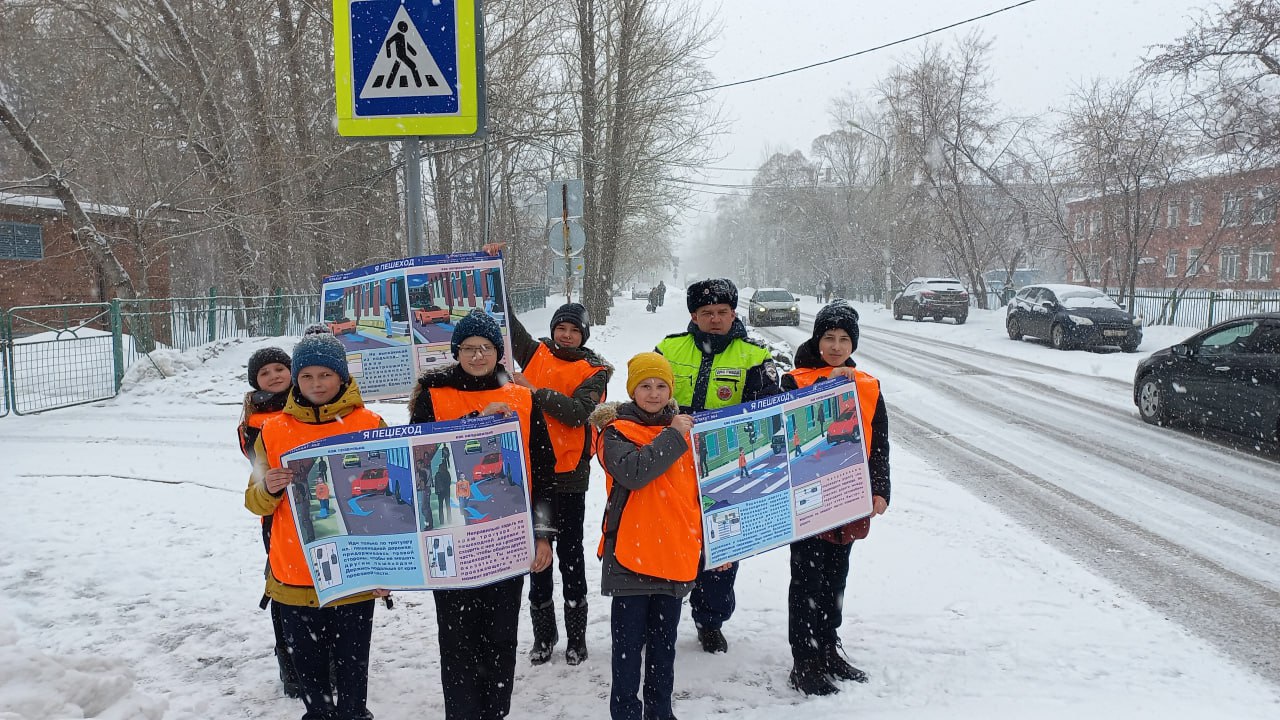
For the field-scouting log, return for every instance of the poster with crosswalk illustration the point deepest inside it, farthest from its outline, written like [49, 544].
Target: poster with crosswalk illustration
[780, 469]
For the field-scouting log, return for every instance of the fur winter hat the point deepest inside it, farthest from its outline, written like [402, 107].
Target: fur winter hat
[263, 358]
[322, 349]
[575, 314]
[715, 291]
[477, 324]
[648, 365]
[838, 315]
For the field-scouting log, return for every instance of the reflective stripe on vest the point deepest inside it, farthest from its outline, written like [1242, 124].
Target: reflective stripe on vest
[280, 434]
[658, 534]
[727, 374]
[453, 404]
[868, 394]
[545, 370]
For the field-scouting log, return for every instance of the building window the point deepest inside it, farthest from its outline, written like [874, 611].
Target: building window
[1229, 265]
[1173, 214]
[1260, 263]
[1193, 262]
[1171, 264]
[20, 241]
[1079, 230]
[1095, 223]
[1264, 205]
[1077, 271]
[1195, 214]
[1232, 209]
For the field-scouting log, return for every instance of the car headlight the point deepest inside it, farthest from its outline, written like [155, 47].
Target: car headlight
[795, 309]
[1079, 320]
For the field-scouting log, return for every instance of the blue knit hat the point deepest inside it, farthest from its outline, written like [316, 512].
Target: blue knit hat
[477, 324]
[321, 349]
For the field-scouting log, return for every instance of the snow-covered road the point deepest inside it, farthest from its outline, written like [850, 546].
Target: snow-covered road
[1190, 526]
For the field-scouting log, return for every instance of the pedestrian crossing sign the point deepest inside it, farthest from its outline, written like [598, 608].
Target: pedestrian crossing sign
[408, 67]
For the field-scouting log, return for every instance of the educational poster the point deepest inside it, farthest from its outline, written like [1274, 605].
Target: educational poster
[413, 507]
[780, 469]
[396, 318]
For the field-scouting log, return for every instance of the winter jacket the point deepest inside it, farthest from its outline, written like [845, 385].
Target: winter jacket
[715, 371]
[875, 430]
[288, 580]
[571, 382]
[259, 406]
[489, 388]
[652, 529]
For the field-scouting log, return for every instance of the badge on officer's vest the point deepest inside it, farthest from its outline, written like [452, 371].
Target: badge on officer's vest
[725, 379]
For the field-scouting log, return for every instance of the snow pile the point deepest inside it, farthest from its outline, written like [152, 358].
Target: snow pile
[35, 685]
[214, 372]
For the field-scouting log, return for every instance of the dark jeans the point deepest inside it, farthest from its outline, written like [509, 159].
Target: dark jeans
[713, 600]
[477, 630]
[316, 637]
[815, 600]
[643, 623]
[570, 511]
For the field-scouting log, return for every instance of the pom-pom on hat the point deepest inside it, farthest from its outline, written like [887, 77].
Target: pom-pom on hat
[321, 349]
[477, 324]
[577, 315]
[714, 291]
[839, 315]
[648, 365]
[263, 358]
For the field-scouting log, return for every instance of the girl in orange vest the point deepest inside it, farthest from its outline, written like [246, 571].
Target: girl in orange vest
[652, 539]
[820, 565]
[324, 401]
[477, 627]
[270, 377]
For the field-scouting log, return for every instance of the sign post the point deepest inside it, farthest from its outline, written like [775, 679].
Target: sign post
[564, 204]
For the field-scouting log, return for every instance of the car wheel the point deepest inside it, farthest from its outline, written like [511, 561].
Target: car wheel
[1015, 332]
[896, 315]
[960, 319]
[1151, 401]
[937, 318]
[1058, 337]
[919, 315]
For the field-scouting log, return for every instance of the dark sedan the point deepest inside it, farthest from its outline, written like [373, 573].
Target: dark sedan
[932, 297]
[1226, 377]
[1071, 316]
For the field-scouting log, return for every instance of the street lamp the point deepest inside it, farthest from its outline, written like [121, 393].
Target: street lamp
[885, 249]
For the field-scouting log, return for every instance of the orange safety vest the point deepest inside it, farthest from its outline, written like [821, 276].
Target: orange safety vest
[254, 421]
[868, 394]
[545, 370]
[281, 434]
[453, 404]
[657, 534]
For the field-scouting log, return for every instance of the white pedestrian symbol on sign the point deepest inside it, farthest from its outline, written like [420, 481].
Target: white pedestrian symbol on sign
[404, 67]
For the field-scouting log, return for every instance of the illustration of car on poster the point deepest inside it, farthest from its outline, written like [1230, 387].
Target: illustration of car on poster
[351, 460]
[491, 466]
[373, 480]
[845, 426]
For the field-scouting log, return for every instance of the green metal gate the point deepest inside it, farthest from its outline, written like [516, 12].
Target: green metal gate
[60, 355]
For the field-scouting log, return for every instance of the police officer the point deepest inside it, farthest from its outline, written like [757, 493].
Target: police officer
[716, 365]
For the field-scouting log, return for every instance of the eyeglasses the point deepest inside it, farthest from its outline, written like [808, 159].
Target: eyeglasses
[477, 350]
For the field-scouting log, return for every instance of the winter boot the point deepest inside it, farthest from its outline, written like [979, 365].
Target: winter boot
[545, 634]
[833, 659]
[712, 640]
[288, 677]
[809, 677]
[575, 626]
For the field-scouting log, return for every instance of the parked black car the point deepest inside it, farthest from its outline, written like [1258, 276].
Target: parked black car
[1071, 316]
[1226, 377]
[932, 297]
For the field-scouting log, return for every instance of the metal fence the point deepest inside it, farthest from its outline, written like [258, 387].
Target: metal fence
[1200, 308]
[55, 356]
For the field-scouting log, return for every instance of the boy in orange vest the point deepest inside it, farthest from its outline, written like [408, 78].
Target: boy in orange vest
[569, 381]
[652, 539]
[324, 401]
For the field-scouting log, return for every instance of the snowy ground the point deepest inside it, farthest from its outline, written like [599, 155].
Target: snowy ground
[130, 574]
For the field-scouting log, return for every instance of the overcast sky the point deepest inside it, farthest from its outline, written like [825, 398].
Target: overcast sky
[1040, 52]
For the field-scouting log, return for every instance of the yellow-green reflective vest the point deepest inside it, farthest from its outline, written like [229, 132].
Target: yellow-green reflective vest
[723, 376]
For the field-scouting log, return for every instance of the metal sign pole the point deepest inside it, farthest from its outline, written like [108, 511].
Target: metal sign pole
[412, 196]
[568, 251]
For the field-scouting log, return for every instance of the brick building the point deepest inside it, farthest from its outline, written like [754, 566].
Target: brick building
[1213, 233]
[41, 264]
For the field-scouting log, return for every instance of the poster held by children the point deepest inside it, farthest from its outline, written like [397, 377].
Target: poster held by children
[413, 507]
[395, 318]
[780, 469]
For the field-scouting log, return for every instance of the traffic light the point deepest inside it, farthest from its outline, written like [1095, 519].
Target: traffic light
[751, 432]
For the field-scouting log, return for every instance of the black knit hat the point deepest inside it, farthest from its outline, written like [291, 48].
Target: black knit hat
[839, 315]
[714, 291]
[263, 358]
[477, 324]
[321, 349]
[575, 314]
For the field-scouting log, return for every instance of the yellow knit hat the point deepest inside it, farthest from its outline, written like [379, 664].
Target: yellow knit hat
[648, 365]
